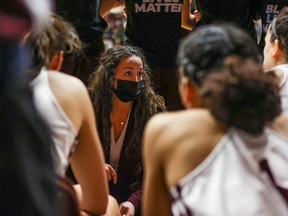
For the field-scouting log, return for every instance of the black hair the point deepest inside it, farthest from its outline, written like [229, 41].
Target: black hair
[206, 47]
[242, 95]
[225, 64]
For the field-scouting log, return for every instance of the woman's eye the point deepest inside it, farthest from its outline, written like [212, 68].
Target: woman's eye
[140, 74]
[128, 73]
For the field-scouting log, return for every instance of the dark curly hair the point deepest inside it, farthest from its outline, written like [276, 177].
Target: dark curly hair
[101, 90]
[242, 95]
[224, 62]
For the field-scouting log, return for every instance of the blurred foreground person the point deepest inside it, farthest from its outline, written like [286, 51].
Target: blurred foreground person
[208, 156]
[26, 172]
[64, 103]
[276, 58]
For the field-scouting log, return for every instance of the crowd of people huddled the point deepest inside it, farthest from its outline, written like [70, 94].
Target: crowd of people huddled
[143, 107]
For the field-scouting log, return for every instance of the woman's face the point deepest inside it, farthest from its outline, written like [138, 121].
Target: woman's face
[130, 68]
[268, 51]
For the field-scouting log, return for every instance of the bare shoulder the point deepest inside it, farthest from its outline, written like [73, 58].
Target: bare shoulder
[181, 121]
[178, 142]
[280, 125]
[166, 129]
[72, 95]
[65, 82]
[160, 125]
[68, 89]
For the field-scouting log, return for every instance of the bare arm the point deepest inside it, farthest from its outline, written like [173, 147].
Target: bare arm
[88, 161]
[106, 5]
[188, 19]
[156, 199]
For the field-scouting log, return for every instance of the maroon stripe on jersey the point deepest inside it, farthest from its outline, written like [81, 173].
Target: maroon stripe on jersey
[188, 211]
[266, 168]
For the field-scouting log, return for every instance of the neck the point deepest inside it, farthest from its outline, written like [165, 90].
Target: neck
[120, 111]
[279, 75]
[282, 60]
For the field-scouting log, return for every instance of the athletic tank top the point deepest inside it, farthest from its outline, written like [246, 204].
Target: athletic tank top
[284, 87]
[63, 131]
[155, 26]
[229, 182]
[277, 155]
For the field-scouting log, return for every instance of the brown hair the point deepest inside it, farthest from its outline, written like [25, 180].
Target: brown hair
[242, 95]
[57, 36]
[101, 90]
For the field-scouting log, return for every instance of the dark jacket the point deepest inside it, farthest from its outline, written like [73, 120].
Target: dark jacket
[128, 187]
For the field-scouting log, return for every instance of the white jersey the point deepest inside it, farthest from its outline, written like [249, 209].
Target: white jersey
[277, 155]
[62, 130]
[229, 182]
[284, 87]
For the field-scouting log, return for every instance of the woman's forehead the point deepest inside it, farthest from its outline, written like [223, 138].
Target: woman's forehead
[132, 61]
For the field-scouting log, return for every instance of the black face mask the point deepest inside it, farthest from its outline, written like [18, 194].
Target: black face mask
[128, 91]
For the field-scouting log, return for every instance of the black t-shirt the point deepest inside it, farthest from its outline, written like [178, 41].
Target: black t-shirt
[268, 10]
[155, 26]
[239, 12]
[84, 15]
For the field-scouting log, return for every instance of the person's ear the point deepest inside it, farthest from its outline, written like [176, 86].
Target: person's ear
[57, 60]
[189, 95]
[278, 50]
[182, 86]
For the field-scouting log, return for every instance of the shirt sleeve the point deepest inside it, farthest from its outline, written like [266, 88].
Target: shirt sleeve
[135, 198]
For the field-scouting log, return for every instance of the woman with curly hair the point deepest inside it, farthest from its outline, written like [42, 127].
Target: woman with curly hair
[124, 101]
[208, 159]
